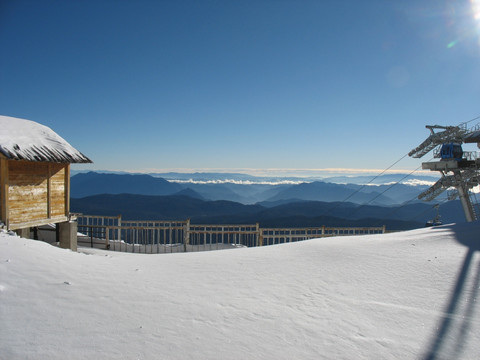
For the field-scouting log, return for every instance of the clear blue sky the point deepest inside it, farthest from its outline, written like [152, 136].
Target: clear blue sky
[274, 84]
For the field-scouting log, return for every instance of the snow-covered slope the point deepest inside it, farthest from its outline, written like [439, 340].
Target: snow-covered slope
[410, 295]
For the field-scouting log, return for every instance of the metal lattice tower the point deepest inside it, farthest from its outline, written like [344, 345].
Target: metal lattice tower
[449, 134]
[462, 174]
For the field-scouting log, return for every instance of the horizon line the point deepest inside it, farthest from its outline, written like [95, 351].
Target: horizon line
[269, 172]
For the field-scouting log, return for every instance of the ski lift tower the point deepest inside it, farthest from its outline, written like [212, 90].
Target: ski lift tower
[460, 169]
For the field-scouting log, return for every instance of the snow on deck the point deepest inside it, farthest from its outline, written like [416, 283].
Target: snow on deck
[27, 140]
[408, 295]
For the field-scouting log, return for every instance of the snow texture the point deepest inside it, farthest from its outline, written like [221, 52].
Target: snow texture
[408, 295]
[27, 140]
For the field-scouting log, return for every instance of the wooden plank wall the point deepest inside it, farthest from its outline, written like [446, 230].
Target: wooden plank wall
[3, 189]
[36, 191]
[57, 192]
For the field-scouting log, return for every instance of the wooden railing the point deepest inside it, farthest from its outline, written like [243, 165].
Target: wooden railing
[113, 233]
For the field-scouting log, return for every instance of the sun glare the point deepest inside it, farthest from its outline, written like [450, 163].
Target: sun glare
[476, 9]
[475, 6]
[465, 21]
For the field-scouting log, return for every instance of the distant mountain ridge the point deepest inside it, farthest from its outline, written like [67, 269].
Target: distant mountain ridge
[252, 179]
[144, 197]
[300, 214]
[92, 183]
[149, 207]
[321, 191]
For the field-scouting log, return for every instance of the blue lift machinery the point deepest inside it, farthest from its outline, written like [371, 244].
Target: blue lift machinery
[459, 169]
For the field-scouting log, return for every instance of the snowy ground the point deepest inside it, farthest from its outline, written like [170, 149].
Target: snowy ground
[410, 295]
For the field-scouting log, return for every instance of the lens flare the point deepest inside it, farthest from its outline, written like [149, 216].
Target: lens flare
[452, 44]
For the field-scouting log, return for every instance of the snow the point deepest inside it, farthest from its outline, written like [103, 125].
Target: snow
[27, 140]
[408, 295]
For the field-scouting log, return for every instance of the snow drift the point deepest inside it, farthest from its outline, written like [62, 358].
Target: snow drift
[410, 295]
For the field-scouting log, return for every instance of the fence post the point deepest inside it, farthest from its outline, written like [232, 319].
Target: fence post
[259, 235]
[91, 236]
[119, 223]
[107, 238]
[186, 235]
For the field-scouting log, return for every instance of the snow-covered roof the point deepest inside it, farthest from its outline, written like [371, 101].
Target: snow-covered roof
[27, 140]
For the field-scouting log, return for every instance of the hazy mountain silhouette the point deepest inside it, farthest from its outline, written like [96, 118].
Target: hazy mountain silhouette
[93, 183]
[322, 191]
[300, 214]
[189, 192]
[149, 207]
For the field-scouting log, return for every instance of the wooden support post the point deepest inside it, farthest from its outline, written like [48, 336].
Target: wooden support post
[24, 233]
[68, 235]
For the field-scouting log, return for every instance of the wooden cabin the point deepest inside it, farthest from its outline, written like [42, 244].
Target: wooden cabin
[34, 175]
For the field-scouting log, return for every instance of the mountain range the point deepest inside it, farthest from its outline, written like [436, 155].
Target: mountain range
[145, 197]
[295, 214]
[252, 192]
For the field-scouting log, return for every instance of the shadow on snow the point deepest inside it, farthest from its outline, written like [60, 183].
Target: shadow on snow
[449, 339]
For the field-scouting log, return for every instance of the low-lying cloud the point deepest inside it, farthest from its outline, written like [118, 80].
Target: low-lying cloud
[239, 182]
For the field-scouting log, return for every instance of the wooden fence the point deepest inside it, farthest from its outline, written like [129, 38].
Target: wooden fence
[113, 233]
